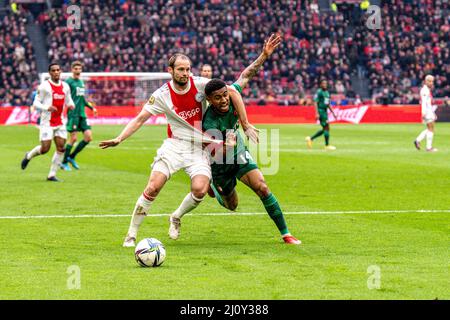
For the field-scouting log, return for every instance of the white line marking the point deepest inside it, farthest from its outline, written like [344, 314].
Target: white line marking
[223, 214]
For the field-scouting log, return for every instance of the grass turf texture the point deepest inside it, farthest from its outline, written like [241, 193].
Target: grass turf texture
[239, 256]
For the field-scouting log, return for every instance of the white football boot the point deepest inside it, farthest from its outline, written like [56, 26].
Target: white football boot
[174, 229]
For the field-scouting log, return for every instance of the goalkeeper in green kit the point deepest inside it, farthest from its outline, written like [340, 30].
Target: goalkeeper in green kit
[76, 118]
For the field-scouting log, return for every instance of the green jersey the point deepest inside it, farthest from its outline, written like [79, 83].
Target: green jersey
[77, 91]
[323, 99]
[226, 123]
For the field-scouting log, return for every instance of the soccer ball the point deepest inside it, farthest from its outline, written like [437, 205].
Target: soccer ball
[150, 252]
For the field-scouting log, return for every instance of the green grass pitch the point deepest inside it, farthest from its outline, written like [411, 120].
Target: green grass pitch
[373, 204]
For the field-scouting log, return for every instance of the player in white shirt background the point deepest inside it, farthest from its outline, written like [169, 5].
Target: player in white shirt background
[428, 115]
[183, 102]
[51, 98]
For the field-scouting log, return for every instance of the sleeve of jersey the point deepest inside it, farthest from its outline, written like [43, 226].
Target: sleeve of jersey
[68, 101]
[200, 83]
[237, 87]
[155, 105]
[316, 97]
[39, 98]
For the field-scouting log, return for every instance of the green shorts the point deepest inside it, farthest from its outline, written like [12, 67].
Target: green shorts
[225, 175]
[77, 124]
[323, 118]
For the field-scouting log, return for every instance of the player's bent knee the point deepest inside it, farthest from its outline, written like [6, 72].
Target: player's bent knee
[263, 190]
[152, 190]
[199, 193]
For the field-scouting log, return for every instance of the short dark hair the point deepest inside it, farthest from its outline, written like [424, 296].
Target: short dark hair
[213, 85]
[76, 63]
[174, 58]
[52, 64]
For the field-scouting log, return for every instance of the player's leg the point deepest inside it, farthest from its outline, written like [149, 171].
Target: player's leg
[430, 135]
[326, 134]
[223, 186]
[419, 138]
[69, 145]
[155, 184]
[255, 180]
[87, 138]
[57, 158]
[309, 139]
[196, 165]
[199, 188]
[45, 136]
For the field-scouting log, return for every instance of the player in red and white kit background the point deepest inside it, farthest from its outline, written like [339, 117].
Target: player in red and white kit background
[51, 98]
[428, 114]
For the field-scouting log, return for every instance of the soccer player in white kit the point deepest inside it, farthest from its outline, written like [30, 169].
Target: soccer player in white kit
[51, 97]
[183, 102]
[428, 115]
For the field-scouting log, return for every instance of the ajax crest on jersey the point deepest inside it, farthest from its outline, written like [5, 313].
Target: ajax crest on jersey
[150, 252]
[199, 97]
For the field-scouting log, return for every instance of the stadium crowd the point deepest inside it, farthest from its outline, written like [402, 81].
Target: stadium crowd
[139, 36]
[18, 64]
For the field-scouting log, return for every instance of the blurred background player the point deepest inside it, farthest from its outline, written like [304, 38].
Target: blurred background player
[76, 118]
[428, 114]
[206, 71]
[322, 103]
[234, 160]
[52, 96]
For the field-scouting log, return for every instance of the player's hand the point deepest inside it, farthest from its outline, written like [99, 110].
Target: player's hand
[317, 116]
[109, 143]
[251, 132]
[71, 107]
[95, 112]
[52, 109]
[231, 139]
[271, 44]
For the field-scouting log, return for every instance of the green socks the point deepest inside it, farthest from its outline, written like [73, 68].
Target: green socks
[275, 213]
[326, 134]
[317, 134]
[67, 152]
[78, 149]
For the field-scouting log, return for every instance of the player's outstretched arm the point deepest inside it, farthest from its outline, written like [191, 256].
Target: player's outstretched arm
[269, 46]
[250, 131]
[131, 128]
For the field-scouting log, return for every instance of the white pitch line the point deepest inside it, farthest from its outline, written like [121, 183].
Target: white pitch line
[224, 214]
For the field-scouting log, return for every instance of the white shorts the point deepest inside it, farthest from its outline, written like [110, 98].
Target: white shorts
[48, 132]
[429, 117]
[176, 154]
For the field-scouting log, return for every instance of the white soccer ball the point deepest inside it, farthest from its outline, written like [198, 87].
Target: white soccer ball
[150, 252]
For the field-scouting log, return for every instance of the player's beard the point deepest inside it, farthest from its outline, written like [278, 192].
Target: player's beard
[180, 82]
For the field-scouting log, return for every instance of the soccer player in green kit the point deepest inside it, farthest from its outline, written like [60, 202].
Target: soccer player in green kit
[322, 102]
[232, 161]
[77, 119]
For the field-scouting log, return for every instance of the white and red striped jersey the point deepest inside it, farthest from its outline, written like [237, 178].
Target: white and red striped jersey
[189, 104]
[426, 101]
[52, 94]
